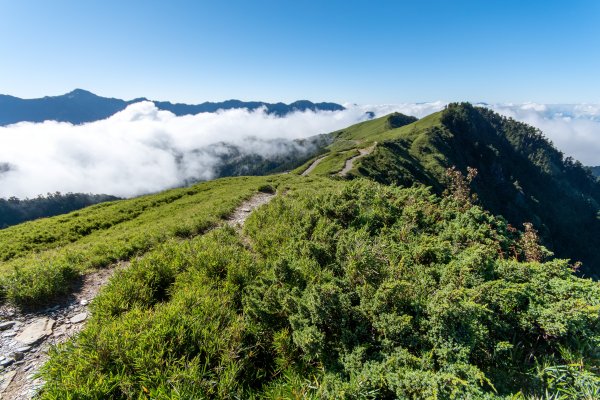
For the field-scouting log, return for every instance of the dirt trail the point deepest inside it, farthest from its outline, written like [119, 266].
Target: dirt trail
[313, 166]
[245, 209]
[350, 162]
[25, 337]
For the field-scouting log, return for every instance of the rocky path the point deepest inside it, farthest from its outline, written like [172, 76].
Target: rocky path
[245, 209]
[25, 337]
[312, 166]
[350, 162]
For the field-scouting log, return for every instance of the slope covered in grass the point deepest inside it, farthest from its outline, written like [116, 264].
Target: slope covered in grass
[521, 176]
[40, 259]
[345, 143]
[335, 290]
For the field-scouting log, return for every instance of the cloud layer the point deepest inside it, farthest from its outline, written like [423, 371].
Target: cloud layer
[573, 128]
[143, 149]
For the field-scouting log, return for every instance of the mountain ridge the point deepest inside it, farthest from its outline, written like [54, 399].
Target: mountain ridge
[82, 106]
[372, 289]
[521, 175]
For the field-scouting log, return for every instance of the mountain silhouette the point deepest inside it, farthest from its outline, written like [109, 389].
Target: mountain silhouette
[80, 106]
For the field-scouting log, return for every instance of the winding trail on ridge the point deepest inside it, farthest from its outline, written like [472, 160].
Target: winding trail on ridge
[25, 337]
[350, 162]
[313, 165]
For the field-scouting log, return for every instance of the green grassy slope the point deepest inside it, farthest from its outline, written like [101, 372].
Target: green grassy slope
[334, 290]
[521, 175]
[346, 142]
[40, 258]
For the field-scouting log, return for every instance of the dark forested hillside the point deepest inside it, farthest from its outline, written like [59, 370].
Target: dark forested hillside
[521, 176]
[596, 171]
[14, 211]
[291, 154]
[81, 106]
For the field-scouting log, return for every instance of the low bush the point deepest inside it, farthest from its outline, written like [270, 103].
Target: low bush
[340, 290]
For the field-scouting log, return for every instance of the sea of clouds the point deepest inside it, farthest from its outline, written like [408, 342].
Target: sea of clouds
[142, 149]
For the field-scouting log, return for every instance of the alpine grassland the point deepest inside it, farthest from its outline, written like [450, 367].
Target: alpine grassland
[42, 259]
[341, 289]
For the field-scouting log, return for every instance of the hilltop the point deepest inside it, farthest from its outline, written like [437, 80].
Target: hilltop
[81, 106]
[382, 268]
[521, 176]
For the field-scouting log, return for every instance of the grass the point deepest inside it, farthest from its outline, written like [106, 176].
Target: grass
[363, 135]
[378, 130]
[335, 289]
[334, 163]
[41, 258]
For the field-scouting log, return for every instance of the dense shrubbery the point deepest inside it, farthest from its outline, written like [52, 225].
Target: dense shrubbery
[522, 176]
[340, 290]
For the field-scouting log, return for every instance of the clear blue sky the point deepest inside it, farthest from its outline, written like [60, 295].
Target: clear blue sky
[354, 51]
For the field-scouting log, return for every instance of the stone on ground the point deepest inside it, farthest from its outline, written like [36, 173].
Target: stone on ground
[35, 331]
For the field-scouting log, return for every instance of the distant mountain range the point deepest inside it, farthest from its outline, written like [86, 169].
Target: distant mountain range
[596, 171]
[80, 106]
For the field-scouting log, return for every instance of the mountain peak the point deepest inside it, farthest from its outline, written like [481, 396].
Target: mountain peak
[80, 93]
[397, 120]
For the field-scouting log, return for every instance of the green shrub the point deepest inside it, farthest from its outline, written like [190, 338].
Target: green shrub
[340, 290]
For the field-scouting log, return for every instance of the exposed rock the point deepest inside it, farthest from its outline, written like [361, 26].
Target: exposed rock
[77, 318]
[6, 380]
[36, 331]
[6, 362]
[60, 331]
[23, 349]
[5, 325]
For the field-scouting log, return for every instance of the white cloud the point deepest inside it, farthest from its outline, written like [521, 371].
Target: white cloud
[573, 128]
[143, 149]
[418, 110]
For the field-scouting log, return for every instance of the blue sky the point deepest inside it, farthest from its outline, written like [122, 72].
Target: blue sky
[344, 51]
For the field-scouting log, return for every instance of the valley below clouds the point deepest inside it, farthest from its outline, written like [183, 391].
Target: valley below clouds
[143, 149]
